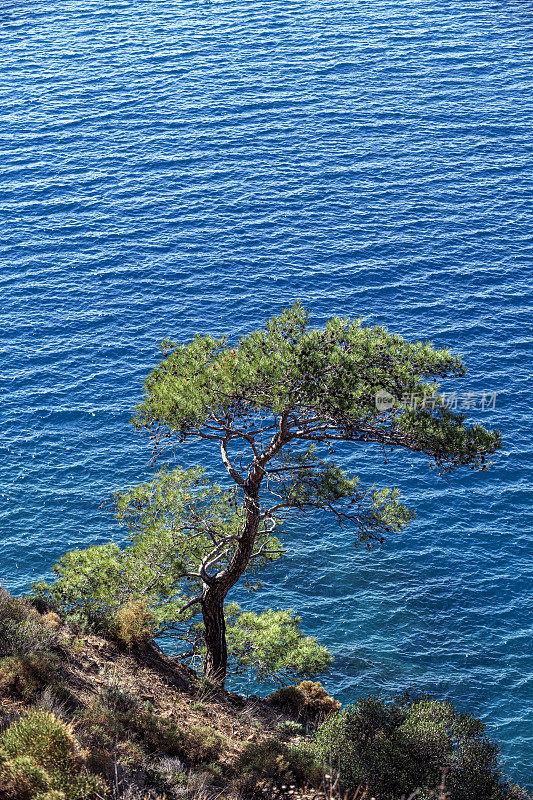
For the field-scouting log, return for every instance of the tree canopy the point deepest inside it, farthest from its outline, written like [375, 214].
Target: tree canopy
[294, 383]
[276, 403]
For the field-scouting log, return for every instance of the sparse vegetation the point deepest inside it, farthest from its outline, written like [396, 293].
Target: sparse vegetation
[21, 628]
[97, 721]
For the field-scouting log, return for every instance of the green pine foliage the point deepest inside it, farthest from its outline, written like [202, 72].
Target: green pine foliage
[150, 579]
[272, 645]
[328, 376]
[139, 591]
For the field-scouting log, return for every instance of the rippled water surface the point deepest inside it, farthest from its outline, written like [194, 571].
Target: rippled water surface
[175, 167]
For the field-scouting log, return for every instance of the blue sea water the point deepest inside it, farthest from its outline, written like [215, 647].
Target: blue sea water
[176, 167]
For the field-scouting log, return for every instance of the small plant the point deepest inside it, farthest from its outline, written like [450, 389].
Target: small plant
[118, 700]
[288, 728]
[99, 727]
[172, 770]
[21, 778]
[51, 621]
[134, 624]
[200, 743]
[195, 744]
[130, 755]
[205, 688]
[77, 645]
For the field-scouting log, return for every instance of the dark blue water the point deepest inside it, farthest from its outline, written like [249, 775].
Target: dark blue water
[175, 167]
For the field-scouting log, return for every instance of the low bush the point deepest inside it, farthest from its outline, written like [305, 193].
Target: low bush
[309, 700]
[118, 700]
[115, 723]
[195, 744]
[39, 756]
[134, 624]
[24, 676]
[21, 778]
[398, 746]
[21, 627]
[317, 702]
[279, 763]
[200, 744]
[289, 699]
[100, 728]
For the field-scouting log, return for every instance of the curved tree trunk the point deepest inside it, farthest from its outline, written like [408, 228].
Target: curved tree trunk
[214, 593]
[216, 660]
[216, 589]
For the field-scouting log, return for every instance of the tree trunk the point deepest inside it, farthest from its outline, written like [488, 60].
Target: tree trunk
[214, 592]
[216, 660]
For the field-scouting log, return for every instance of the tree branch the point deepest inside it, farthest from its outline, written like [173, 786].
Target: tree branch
[189, 604]
[227, 463]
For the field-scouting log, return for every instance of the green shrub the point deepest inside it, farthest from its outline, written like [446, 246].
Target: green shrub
[52, 795]
[25, 676]
[398, 746]
[130, 755]
[289, 699]
[21, 627]
[200, 743]
[288, 728]
[118, 700]
[279, 763]
[155, 734]
[194, 743]
[100, 728]
[41, 755]
[22, 779]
